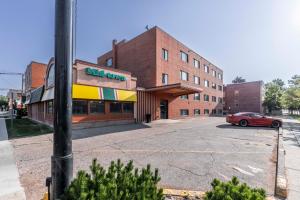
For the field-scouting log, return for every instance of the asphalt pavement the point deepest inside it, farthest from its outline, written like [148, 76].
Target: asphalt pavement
[189, 153]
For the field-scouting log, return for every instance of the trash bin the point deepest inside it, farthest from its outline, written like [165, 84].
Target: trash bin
[148, 118]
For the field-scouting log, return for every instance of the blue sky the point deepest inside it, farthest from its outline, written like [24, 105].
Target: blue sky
[258, 40]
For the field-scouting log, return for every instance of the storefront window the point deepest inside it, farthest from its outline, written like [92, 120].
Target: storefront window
[128, 107]
[97, 107]
[80, 107]
[49, 107]
[115, 107]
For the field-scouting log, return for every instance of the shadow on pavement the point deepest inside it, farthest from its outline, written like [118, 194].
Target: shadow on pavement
[91, 132]
[229, 126]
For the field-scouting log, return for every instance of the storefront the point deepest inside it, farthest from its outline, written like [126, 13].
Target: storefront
[101, 96]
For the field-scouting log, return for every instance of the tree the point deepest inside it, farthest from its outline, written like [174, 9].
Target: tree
[3, 101]
[239, 79]
[291, 96]
[273, 95]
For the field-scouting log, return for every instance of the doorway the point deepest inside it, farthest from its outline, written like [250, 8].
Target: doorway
[163, 109]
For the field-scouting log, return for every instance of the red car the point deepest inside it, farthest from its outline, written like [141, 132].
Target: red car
[253, 119]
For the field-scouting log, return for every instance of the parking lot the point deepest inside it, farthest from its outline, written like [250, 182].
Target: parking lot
[189, 153]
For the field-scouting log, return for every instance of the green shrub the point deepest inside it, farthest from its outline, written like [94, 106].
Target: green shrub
[119, 182]
[233, 190]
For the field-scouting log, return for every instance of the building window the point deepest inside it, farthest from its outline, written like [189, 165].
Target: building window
[165, 54]
[220, 111]
[128, 107]
[80, 107]
[206, 111]
[220, 100]
[206, 68]
[214, 99]
[184, 76]
[214, 73]
[206, 97]
[206, 83]
[184, 56]
[220, 87]
[220, 76]
[197, 80]
[184, 112]
[196, 63]
[197, 96]
[184, 97]
[214, 111]
[49, 107]
[214, 86]
[97, 107]
[115, 107]
[164, 79]
[196, 112]
[109, 62]
[51, 76]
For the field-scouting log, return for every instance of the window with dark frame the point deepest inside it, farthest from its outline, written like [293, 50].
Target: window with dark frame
[97, 107]
[184, 56]
[206, 68]
[197, 80]
[196, 63]
[185, 97]
[220, 87]
[214, 111]
[206, 111]
[213, 99]
[196, 112]
[197, 96]
[165, 54]
[214, 86]
[220, 99]
[206, 83]
[49, 107]
[80, 107]
[164, 79]
[184, 112]
[206, 97]
[184, 76]
[128, 107]
[115, 107]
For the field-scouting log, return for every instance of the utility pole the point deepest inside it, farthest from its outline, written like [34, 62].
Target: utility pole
[62, 159]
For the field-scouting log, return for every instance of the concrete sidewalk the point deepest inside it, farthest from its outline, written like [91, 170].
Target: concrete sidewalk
[291, 133]
[10, 187]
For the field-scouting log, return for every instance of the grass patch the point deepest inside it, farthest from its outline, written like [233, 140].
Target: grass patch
[296, 117]
[26, 127]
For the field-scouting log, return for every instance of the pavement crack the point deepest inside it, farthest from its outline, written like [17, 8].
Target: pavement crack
[189, 171]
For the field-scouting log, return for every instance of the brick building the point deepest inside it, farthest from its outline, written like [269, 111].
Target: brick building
[100, 94]
[34, 77]
[173, 80]
[244, 97]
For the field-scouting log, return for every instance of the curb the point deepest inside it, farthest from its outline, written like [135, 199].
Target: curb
[184, 193]
[280, 178]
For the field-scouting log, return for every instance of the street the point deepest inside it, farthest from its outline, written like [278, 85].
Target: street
[189, 153]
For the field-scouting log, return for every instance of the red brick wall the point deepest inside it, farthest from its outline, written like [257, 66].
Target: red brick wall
[244, 97]
[35, 75]
[138, 57]
[143, 57]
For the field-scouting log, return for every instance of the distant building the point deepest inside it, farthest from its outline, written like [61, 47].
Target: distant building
[244, 97]
[15, 99]
[34, 77]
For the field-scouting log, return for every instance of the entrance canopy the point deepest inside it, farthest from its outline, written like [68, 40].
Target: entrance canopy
[175, 90]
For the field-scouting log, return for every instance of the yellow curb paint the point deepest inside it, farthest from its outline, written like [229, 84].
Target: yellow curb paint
[183, 193]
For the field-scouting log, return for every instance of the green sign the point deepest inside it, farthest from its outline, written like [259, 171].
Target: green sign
[102, 74]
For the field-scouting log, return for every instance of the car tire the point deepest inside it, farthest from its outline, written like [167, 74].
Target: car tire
[276, 124]
[243, 123]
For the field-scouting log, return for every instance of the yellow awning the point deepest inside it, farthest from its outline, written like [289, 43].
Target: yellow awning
[85, 92]
[124, 95]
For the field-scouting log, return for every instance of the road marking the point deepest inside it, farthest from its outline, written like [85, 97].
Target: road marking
[243, 171]
[255, 170]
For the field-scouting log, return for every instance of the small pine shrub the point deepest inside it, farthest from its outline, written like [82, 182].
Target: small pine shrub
[119, 182]
[233, 190]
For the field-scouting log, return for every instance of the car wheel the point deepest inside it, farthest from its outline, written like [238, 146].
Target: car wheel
[243, 123]
[275, 124]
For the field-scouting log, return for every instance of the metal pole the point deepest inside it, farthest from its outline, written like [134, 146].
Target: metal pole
[62, 159]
